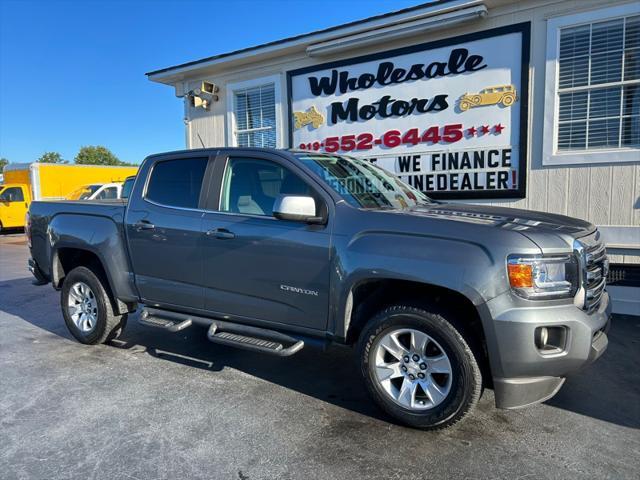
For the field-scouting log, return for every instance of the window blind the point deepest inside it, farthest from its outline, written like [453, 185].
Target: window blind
[255, 116]
[599, 85]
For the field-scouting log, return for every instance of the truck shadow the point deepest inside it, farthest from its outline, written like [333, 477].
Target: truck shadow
[331, 376]
[609, 390]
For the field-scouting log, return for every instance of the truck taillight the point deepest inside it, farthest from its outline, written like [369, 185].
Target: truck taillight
[27, 228]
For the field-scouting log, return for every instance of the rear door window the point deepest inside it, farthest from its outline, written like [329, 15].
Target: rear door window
[177, 183]
[108, 193]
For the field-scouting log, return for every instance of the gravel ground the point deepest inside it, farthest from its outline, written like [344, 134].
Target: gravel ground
[157, 405]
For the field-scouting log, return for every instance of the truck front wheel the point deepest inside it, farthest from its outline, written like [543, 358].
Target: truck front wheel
[419, 368]
[87, 308]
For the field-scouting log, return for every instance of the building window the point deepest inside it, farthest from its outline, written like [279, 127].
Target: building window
[254, 115]
[593, 60]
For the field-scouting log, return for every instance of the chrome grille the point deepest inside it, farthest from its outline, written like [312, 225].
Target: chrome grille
[595, 267]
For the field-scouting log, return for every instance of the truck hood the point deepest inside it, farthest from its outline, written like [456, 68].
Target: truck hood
[549, 231]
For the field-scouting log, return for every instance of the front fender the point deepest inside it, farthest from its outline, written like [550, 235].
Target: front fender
[463, 266]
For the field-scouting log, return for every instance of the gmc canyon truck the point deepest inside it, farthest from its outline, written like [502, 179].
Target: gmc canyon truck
[275, 250]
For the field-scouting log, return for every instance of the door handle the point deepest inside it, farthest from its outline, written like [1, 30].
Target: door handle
[144, 225]
[221, 233]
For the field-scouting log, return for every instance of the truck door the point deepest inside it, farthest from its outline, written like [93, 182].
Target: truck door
[164, 225]
[13, 206]
[256, 266]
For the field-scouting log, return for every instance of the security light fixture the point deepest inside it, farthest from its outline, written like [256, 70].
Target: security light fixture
[202, 96]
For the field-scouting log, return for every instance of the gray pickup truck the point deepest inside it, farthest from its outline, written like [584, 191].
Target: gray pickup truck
[275, 250]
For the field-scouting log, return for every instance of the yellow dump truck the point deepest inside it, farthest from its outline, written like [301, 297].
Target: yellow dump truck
[24, 182]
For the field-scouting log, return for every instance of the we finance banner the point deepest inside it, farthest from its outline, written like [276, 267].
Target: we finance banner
[448, 117]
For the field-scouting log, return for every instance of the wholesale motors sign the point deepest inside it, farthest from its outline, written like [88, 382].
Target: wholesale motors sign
[448, 117]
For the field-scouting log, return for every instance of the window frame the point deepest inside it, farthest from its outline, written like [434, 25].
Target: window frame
[550, 155]
[253, 83]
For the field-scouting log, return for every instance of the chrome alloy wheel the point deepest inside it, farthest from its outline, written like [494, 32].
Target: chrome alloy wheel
[82, 307]
[413, 369]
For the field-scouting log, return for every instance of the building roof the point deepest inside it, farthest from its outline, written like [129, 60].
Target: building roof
[374, 22]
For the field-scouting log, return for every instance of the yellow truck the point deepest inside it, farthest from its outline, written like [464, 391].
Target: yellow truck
[24, 182]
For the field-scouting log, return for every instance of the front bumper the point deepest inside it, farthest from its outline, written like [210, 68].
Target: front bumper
[522, 374]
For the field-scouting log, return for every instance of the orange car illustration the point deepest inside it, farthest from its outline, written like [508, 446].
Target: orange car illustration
[311, 117]
[503, 94]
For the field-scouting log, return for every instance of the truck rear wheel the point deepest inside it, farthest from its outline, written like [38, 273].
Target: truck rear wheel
[87, 308]
[419, 368]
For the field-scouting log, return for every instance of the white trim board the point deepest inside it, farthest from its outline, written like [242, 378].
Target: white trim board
[255, 82]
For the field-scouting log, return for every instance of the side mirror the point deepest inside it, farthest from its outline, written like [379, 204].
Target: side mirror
[296, 208]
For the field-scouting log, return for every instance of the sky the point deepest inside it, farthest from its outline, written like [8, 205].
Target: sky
[72, 73]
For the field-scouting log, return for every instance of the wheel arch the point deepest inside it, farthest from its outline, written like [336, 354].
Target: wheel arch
[371, 296]
[66, 258]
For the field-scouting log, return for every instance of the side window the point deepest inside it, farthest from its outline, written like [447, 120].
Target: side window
[108, 194]
[127, 186]
[252, 186]
[177, 183]
[13, 194]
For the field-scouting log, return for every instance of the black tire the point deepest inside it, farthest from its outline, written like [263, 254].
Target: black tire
[109, 325]
[466, 378]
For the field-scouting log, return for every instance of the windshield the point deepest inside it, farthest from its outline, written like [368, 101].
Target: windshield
[363, 184]
[126, 187]
[83, 192]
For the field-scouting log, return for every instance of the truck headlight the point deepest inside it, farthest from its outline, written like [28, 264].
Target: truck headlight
[543, 277]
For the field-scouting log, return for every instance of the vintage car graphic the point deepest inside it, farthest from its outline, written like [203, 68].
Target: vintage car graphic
[311, 117]
[499, 94]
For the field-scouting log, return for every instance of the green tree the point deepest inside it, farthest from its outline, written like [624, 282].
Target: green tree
[97, 155]
[3, 163]
[51, 157]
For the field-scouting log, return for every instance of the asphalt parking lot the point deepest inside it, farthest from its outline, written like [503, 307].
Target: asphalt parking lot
[156, 405]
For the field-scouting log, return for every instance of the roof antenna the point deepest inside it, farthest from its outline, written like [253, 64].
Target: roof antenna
[200, 138]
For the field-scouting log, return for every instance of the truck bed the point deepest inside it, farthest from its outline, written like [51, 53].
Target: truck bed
[46, 210]
[96, 222]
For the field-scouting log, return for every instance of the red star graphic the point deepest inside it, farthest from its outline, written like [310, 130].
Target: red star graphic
[498, 128]
[484, 129]
[471, 131]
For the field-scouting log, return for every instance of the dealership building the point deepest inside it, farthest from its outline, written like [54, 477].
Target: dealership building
[530, 104]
